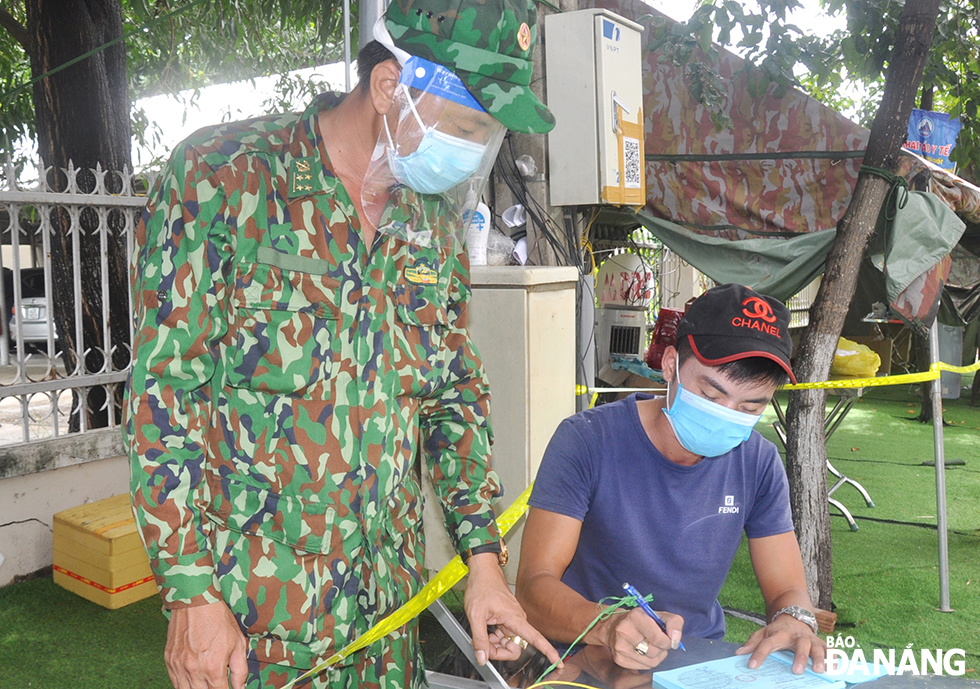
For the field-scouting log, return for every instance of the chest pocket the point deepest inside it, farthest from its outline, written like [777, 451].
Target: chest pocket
[420, 290]
[421, 323]
[421, 306]
[286, 326]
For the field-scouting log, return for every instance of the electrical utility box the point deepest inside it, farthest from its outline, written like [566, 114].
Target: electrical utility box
[595, 90]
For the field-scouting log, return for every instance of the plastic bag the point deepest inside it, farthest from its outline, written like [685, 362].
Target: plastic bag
[500, 248]
[853, 359]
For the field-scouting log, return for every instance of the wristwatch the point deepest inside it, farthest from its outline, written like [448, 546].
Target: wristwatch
[802, 614]
[499, 547]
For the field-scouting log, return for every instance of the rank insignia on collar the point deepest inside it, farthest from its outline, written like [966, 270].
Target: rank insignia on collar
[421, 273]
[303, 178]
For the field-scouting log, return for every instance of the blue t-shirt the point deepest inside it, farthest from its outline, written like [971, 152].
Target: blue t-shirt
[667, 529]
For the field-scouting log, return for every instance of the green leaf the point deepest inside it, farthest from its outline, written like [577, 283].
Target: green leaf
[734, 9]
[704, 41]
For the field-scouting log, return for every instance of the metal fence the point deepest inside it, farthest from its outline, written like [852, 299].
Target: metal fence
[51, 382]
[799, 305]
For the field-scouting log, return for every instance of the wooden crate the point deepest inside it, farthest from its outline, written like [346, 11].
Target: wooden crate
[99, 555]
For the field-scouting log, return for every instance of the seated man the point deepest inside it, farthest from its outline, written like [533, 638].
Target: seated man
[656, 491]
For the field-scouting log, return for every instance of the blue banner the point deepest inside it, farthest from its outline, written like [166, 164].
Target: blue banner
[932, 135]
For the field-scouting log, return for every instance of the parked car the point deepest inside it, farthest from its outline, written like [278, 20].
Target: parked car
[34, 311]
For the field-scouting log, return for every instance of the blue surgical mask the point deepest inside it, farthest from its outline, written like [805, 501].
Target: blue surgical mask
[707, 428]
[440, 162]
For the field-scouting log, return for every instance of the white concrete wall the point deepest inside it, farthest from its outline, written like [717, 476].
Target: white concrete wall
[29, 501]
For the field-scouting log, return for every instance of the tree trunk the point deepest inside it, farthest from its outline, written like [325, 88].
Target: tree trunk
[82, 116]
[806, 458]
[923, 355]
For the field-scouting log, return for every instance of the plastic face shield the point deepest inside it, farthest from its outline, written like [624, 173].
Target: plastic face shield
[432, 160]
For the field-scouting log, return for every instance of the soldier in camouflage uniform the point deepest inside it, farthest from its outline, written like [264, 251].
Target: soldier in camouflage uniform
[291, 367]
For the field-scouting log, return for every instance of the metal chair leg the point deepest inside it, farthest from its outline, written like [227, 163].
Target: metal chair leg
[831, 422]
[465, 643]
[847, 515]
[841, 479]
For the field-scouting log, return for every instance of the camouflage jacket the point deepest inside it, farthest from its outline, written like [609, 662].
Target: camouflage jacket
[286, 377]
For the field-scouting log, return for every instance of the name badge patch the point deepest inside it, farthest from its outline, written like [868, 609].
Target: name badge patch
[421, 273]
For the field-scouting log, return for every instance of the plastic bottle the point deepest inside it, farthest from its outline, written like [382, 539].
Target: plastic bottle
[476, 235]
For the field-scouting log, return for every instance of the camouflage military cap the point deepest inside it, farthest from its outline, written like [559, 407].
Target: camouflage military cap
[487, 43]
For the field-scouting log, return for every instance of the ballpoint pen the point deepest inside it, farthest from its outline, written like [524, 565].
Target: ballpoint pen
[649, 611]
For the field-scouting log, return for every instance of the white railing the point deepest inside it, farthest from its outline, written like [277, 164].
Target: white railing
[46, 385]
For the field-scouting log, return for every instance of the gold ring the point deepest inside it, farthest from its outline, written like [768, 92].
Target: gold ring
[641, 648]
[519, 641]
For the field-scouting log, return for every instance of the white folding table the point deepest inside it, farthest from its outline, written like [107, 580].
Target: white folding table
[832, 421]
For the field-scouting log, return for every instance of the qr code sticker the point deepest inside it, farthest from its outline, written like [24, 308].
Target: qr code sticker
[632, 165]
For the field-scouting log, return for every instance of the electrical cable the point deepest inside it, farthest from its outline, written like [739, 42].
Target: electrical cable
[566, 242]
[542, 221]
[745, 615]
[604, 613]
[586, 245]
[863, 460]
[583, 349]
[897, 522]
[556, 8]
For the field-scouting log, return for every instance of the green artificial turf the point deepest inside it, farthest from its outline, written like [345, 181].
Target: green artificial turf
[886, 582]
[52, 639]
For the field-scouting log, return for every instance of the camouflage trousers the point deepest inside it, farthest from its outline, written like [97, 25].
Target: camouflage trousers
[387, 670]
[289, 606]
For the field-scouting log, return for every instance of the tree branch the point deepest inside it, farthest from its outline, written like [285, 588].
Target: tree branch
[17, 30]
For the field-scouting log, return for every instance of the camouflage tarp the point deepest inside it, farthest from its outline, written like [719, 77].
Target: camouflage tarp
[787, 165]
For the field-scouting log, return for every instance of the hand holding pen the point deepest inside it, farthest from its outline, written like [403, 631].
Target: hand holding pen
[635, 638]
[649, 611]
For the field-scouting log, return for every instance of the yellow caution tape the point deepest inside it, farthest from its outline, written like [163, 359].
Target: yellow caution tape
[960, 369]
[902, 379]
[584, 390]
[447, 577]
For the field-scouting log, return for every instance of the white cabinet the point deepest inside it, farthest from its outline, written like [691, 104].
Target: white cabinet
[522, 319]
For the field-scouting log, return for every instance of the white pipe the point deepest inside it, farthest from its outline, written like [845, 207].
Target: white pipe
[937, 433]
[370, 10]
[347, 46]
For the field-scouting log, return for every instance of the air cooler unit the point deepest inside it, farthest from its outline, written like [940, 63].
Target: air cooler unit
[620, 331]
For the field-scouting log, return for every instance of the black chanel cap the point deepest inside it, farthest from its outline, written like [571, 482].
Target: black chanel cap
[731, 322]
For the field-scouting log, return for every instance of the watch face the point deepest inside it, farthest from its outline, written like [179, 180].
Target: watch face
[805, 615]
[801, 614]
[809, 620]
